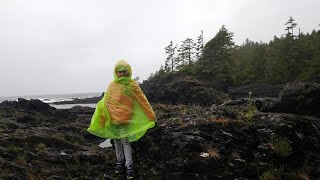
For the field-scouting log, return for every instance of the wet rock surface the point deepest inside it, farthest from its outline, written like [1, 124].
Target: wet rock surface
[295, 98]
[189, 142]
[183, 91]
[300, 98]
[259, 90]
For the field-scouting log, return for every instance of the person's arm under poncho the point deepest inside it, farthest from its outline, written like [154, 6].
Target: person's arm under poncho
[143, 101]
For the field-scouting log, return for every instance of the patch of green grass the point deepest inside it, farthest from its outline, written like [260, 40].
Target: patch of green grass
[249, 112]
[41, 147]
[14, 148]
[281, 146]
[273, 174]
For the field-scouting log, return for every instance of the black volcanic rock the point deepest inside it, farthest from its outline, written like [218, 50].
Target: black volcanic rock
[82, 101]
[183, 91]
[34, 105]
[234, 150]
[298, 98]
[188, 142]
[301, 98]
[257, 90]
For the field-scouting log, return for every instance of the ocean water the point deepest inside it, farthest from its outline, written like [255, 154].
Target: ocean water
[56, 98]
[68, 106]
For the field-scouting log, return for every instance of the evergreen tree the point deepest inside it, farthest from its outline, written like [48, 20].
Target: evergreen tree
[199, 46]
[186, 52]
[311, 52]
[171, 62]
[162, 70]
[243, 62]
[217, 56]
[290, 25]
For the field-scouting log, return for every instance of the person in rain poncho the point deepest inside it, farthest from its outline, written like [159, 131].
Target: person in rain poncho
[123, 114]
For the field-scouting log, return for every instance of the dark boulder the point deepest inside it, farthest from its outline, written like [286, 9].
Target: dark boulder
[32, 105]
[35, 105]
[185, 91]
[7, 104]
[299, 98]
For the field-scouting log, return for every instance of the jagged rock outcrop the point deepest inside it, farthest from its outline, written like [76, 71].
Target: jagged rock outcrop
[38, 141]
[183, 91]
[33, 105]
[299, 98]
[295, 98]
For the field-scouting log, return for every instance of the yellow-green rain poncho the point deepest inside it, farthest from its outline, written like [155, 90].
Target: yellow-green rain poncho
[124, 111]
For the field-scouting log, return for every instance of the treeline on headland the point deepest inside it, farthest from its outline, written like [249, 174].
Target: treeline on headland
[294, 56]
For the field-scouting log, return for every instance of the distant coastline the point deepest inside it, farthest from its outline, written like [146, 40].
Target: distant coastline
[58, 98]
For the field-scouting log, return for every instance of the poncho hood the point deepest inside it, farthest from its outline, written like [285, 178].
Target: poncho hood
[122, 65]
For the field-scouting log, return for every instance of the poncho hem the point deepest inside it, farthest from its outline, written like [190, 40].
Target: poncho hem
[109, 136]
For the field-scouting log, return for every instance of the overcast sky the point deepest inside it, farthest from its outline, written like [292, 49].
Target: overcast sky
[71, 46]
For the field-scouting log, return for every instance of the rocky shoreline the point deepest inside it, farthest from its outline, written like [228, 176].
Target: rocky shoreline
[274, 139]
